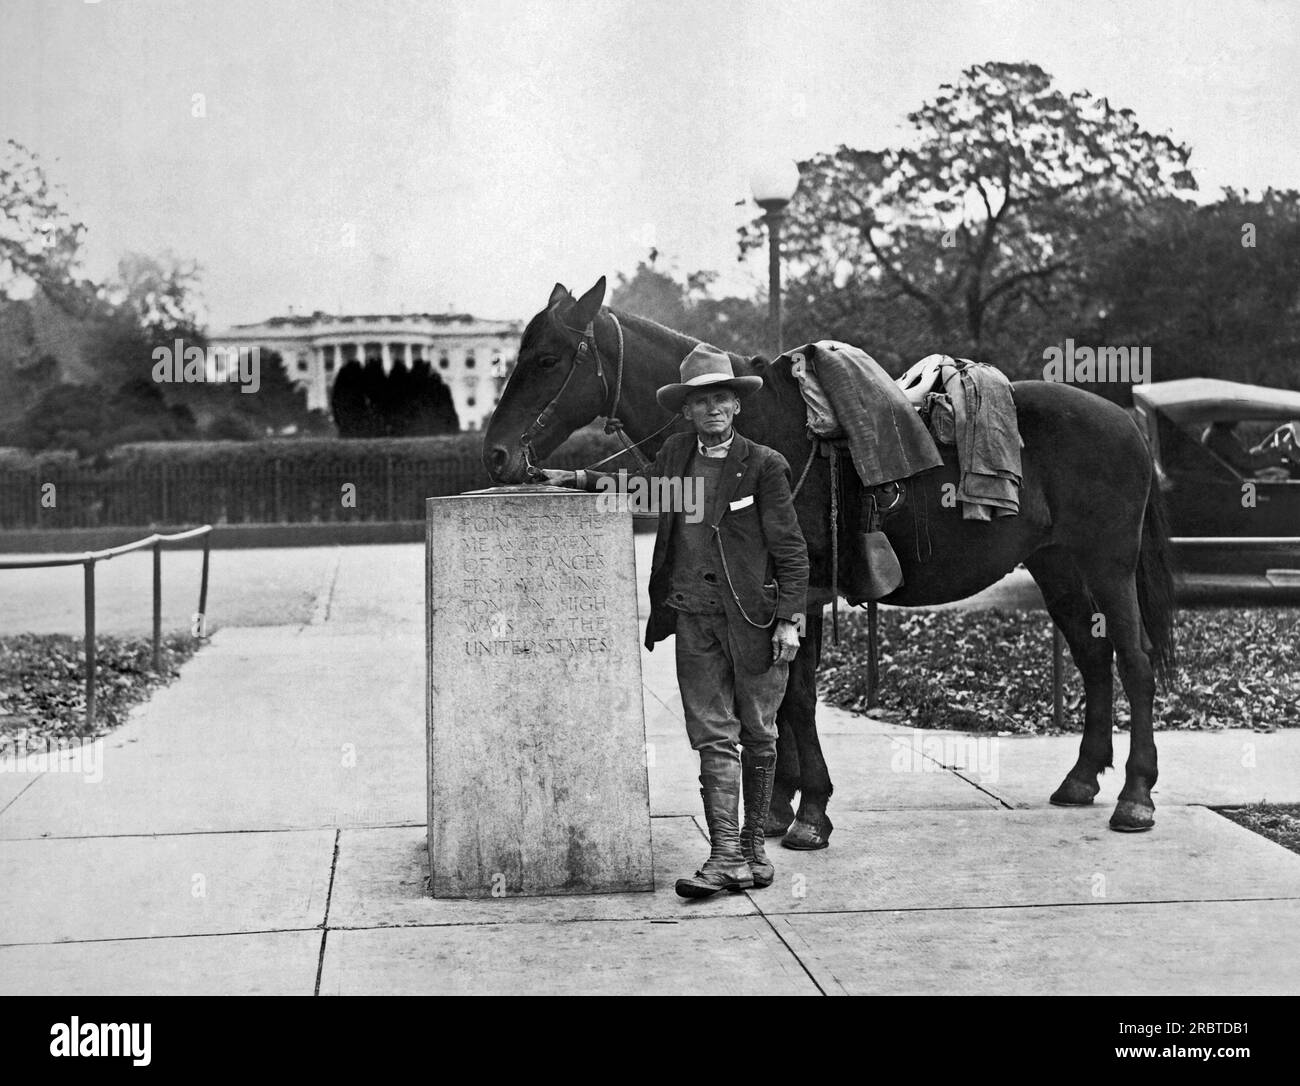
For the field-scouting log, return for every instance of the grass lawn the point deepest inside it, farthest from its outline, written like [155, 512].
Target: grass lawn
[43, 684]
[991, 671]
[1279, 822]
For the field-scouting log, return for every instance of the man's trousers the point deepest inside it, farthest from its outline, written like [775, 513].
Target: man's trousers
[724, 704]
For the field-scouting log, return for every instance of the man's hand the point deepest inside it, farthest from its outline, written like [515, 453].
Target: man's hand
[556, 477]
[785, 642]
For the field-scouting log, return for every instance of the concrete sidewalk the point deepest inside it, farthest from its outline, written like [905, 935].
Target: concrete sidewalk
[260, 828]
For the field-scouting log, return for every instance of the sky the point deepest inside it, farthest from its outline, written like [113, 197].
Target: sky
[426, 155]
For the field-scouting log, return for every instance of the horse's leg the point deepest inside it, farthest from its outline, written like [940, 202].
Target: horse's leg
[780, 812]
[812, 827]
[1066, 597]
[1115, 588]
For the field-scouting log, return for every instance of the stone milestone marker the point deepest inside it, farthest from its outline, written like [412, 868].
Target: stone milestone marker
[536, 737]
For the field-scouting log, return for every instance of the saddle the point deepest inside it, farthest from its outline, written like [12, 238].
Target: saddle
[970, 405]
[920, 381]
[924, 386]
[891, 430]
[855, 411]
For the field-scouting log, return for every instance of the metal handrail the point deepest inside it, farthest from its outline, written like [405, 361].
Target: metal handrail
[88, 560]
[101, 556]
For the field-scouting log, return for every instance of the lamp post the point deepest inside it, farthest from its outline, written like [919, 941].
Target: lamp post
[773, 186]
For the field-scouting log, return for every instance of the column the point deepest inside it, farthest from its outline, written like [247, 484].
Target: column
[386, 353]
[316, 379]
[335, 358]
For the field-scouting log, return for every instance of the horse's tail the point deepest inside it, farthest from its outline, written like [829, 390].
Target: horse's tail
[1155, 585]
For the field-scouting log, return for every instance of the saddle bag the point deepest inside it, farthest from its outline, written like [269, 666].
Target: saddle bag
[943, 421]
[884, 574]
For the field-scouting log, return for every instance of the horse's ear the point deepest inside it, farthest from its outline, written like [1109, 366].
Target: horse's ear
[585, 309]
[557, 292]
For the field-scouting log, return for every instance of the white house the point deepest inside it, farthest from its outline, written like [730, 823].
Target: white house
[473, 357]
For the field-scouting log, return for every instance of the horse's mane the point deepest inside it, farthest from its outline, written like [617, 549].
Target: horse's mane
[655, 330]
[683, 343]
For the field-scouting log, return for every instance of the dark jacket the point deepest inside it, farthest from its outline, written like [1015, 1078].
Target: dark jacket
[761, 544]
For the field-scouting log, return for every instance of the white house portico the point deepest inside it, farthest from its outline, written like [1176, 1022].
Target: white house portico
[471, 356]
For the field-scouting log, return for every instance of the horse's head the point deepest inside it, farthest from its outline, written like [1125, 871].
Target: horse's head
[556, 387]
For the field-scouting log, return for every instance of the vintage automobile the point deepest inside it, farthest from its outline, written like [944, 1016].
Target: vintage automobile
[1228, 461]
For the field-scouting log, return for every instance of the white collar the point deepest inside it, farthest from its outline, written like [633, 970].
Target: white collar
[715, 451]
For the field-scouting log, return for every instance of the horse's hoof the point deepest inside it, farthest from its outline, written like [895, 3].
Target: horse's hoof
[1132, 817]
[807, 838]
[774, 827]
[1074, 793]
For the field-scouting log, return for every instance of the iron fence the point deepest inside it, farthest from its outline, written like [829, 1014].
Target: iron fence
[275, 492]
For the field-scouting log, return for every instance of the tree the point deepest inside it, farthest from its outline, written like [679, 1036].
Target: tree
[366, 402]
[978, 230]
[75, 331]
[278, 406]
[82, 418]
[160, 293]
[688, 305]
[435, 411]
[279, 402]
[232, 426]
[57, 329]
[43, 305]
[651, 293]
[1213, 290]
[39, 241]
[374, 382]
[399, 399]
[348, 402]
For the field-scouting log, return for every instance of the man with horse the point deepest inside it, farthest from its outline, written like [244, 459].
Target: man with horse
[1091, 530]
[729, 578]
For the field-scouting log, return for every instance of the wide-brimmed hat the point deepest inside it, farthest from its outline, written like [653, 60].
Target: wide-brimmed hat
[705, 368]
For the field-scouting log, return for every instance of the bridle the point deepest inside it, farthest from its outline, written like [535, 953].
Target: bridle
[587, 352]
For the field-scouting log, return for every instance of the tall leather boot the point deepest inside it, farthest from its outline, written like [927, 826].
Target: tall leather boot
[758, 772]
[726, 867]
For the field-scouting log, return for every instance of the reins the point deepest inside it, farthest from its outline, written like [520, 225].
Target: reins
[587, 347]
[812, 452]
[634, 448]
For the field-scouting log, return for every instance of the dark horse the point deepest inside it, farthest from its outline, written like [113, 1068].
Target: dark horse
[1090, 529]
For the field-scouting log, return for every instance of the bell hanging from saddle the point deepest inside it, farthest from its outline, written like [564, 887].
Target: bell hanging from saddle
[877, 557]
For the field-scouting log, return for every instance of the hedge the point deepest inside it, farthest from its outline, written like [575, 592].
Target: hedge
[273, 481]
